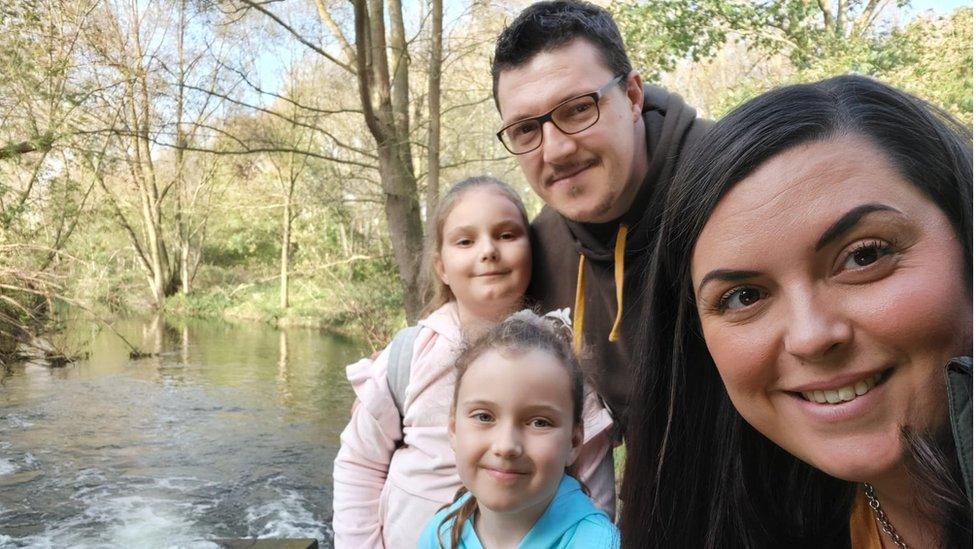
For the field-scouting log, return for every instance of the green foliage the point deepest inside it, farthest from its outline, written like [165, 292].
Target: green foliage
[360, 299]
[204, 304]
[942, 71]
[58, 95]
[931, 57]
[659, 33]
[240, 238]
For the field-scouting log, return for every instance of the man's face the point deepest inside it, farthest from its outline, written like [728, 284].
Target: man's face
[591, 176]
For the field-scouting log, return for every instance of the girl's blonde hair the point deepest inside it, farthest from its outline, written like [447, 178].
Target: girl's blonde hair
[435, 292]
[522, 332]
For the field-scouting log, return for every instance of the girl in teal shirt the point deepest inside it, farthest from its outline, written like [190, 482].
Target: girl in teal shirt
[516, 429]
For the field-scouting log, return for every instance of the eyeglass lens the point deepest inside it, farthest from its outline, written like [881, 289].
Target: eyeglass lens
[571, 117]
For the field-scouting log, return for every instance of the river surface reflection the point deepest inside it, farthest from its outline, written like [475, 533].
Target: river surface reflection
[230, 432]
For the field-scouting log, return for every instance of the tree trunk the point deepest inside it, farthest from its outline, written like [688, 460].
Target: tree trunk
[400, 86]
[403, 222]
[143, 170]
[401, 204]
[434, 108]
[285, 245]
[182, 224]
[344, 240]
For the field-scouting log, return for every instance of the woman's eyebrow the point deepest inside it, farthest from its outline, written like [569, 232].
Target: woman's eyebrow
[728, 275]
[848, 220]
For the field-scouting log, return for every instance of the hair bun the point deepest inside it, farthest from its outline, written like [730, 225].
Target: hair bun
[557, 322]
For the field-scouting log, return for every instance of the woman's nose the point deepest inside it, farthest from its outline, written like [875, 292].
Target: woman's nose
[816, 329]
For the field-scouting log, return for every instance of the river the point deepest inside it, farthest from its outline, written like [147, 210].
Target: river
[229, 432]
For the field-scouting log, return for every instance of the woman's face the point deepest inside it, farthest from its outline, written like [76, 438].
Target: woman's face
[831, 293]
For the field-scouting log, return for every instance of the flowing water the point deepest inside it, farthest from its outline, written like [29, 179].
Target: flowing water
[229, 432]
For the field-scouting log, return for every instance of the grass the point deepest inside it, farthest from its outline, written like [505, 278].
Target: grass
[363, 309]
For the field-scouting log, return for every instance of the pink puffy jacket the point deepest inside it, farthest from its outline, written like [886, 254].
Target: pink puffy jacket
[383, 495]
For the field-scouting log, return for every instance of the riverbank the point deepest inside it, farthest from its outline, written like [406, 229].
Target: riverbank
[359, 300]
[362, 311]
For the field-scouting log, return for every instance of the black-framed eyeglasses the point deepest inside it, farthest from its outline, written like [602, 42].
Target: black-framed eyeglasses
[571, 116]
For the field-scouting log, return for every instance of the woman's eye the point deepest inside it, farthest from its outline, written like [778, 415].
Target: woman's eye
[482, 417]
[506, 236]
[740, 298]
[464, 242]
[541, 423]
[866, 254]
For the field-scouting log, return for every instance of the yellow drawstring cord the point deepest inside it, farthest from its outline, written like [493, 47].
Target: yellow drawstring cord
[579, 309]
[618, 278]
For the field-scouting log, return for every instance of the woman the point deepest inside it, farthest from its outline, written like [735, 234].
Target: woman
[812, 280]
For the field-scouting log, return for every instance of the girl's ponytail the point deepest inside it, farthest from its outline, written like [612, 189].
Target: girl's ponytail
[467, 510]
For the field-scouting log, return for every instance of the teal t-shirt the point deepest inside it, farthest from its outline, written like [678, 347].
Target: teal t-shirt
[570, 521]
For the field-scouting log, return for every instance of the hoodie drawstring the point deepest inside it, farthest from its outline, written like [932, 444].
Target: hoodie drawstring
[579, 309]
[618, 277]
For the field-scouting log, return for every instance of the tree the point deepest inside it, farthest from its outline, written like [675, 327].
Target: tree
[287, 167]
[434, 104]
[149, 100]
[805, 41]
[379, 60]
[661, 32]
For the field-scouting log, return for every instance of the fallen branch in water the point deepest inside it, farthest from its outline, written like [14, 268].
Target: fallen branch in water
[45, 286]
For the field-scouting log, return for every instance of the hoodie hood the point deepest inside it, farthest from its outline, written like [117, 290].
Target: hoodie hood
[667, 120]
[445, 322]
[568, 508]
[555, 528]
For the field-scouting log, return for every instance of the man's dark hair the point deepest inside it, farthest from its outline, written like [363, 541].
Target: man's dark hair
[544, 26]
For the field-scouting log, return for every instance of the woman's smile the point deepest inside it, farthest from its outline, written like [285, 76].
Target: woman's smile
[833, 392]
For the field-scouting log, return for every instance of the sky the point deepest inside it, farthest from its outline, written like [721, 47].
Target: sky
[938, 6]
[271, 63]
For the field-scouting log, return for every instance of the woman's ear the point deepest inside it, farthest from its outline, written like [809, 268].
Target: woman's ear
[577, 445]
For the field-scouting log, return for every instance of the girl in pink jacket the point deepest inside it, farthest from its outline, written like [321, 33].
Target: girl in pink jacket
[392, 474]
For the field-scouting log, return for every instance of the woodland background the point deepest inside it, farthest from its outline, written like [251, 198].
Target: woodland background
[274, 160]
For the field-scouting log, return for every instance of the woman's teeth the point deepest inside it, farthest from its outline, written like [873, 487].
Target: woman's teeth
[843, 394]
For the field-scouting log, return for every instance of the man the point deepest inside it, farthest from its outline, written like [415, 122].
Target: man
[600, 148]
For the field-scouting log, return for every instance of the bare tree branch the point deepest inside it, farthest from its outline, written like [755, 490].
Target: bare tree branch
[260, 7]
[286, 118]
[326, 17]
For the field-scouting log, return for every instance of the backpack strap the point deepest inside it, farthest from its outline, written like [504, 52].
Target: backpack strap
[398, 365]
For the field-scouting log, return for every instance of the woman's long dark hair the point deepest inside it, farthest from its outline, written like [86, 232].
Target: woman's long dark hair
[697, 474]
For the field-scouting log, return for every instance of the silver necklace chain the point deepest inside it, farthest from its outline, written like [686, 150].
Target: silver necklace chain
[882, 518]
